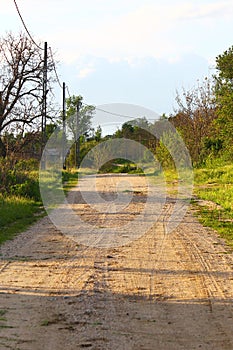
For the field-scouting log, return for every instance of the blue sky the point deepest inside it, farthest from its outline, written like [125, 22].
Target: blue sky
[128, 51]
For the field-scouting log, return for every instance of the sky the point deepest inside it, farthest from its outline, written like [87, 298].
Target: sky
[137, 52]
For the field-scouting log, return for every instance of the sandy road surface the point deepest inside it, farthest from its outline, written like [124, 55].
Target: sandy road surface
[157, 292]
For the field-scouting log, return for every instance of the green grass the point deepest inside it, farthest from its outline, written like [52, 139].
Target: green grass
[219, 221]
[215, 185]
[69, 179]
[3, 318]
[54, 183]
[17, 213]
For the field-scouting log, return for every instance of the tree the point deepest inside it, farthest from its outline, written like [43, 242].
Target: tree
[79, 124]
[28, 146]
[98, 133]
[224, 98]
[195, 117]
[127, 130]
[139, 130]
[21, 68]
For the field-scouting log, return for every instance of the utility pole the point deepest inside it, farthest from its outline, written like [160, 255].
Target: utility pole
[44, 105]
[64, 126]
[79, 105]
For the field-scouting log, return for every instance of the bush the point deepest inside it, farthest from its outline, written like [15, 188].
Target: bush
[20, 178]
[28, 189]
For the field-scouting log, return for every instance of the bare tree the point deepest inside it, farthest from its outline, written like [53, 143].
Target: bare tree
[21, 74]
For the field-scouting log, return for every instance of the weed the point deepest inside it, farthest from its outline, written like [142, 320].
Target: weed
[45, 323]
[3, 319]
[3, 312]
[97, 323]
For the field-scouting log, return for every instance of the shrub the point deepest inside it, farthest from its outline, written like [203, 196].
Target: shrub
[20, 178]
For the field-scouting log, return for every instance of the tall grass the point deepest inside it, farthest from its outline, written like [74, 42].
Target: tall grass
[215, 186]
[20, 178]
[20, 200]
[16, 214]
[20, 197]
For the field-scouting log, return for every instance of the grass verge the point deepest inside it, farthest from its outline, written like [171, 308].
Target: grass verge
[214, 187]
[213, 197]
[17, 213]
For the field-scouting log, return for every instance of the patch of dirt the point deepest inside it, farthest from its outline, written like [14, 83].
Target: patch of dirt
[160, 291]
[209, 204]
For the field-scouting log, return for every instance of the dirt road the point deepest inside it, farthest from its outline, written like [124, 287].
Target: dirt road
[159, 291]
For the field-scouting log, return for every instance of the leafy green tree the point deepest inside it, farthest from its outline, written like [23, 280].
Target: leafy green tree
[98, 133]
[224, 99]
[140, 123]
[81, 123]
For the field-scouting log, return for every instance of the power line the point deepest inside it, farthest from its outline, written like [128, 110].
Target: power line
[40, 48]
[55, 71]
[53, 63]
[56, 74]
[111, 123]
[25, 27]
[67, 89]
[54, 68]
[111, 113]
[116, 114]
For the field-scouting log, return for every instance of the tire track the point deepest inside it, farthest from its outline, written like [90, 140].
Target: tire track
[210, 284]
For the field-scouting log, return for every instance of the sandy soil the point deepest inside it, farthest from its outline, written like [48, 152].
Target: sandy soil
[159, 291]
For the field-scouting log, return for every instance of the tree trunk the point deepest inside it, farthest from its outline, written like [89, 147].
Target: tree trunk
[2, 149]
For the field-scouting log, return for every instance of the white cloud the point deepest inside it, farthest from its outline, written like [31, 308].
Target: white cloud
[157, 30]
[216, 10]
[84, 72]
[135, 34]
[126, 29]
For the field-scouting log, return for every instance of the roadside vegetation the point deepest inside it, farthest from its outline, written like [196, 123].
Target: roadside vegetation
[17, 213]
[20, 199]
[20, 203]
[214, 194]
